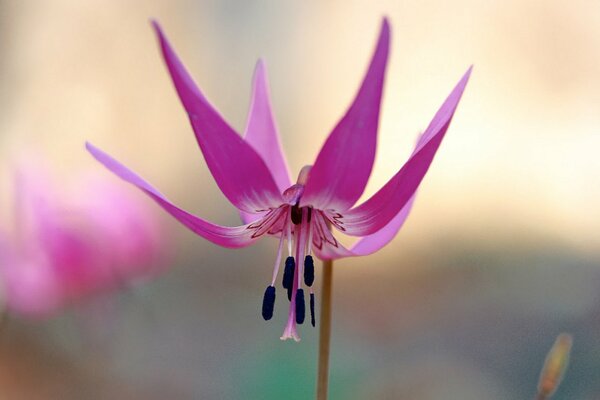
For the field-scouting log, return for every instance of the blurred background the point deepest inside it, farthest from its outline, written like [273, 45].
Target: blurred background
[501, 252]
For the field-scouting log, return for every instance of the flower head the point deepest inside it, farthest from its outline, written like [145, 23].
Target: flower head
[66, 245]
[252, 173]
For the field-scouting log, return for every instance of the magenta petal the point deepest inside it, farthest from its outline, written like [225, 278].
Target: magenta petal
[342, 169]
[248, 218]
[261, 132]
[232, 237]
[368, 244]
[237, 168]
[375, 241]
[376, 212]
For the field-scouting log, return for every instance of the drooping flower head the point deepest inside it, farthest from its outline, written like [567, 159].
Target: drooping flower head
[252, 173]
[64, 245]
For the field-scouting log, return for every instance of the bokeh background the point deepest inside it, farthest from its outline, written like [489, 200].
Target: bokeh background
[500, 254]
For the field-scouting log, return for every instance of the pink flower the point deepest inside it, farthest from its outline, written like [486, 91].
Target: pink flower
[252, 173]
[66, 244]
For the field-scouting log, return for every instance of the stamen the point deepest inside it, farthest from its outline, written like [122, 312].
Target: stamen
[309, 242]
[289, 231]
[288, 275]
[312, 308]
[277, 261]
[268, 303]
[301, 244]
[300, 307]
[309, 270]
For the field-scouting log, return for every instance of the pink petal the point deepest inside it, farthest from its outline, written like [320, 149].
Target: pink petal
[377, 212]
[368, 244]
[248, 218]
[371, 243]
[342, 169]
[125, 223]
[261, 133]
[232, 237]
[30, 290]
[375, 241]
[237, 168]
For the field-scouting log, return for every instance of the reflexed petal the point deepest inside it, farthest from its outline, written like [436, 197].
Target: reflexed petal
[384, 205]
[368, 244]
[237, 168]
[342, 169]
[261, 132]
[375, 241]
[232, 237]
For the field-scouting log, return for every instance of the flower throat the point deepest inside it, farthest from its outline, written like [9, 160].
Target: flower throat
[299, 266]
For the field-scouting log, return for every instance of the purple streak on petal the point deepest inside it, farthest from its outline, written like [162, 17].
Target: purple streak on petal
[328, 252]
[232, 237]
[368, 244]
[239, 171]
[261, 132]
[343, 166]
[376, 212]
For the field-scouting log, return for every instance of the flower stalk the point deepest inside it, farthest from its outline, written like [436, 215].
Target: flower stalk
[325, 331]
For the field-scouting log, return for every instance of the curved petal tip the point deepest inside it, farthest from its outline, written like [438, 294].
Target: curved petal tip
[260, 67]
[343, 166]
[155, 25]
[385, 26]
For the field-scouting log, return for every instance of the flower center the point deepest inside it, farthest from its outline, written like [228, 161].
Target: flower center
[297, 229]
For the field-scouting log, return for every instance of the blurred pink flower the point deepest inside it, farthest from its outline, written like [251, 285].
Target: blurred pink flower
[252, 173]
[67, 244]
